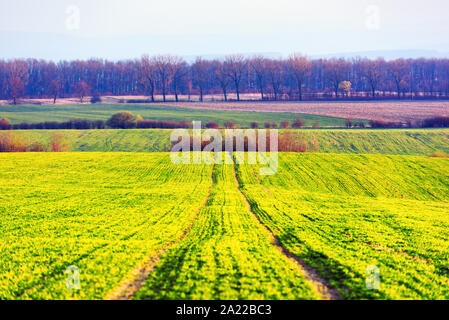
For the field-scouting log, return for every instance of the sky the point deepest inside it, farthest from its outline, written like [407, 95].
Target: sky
[116, 29]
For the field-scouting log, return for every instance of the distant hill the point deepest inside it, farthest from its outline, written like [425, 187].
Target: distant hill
[53, 46]
[390, 54]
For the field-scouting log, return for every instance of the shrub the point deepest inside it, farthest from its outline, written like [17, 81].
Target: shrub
[51, 125]
[164, 124]
[349, 123]
[36, 147]
[298, 123]
[385, 124]
[289, 142]
[95, 99]
[254, 125]
[5, 124]
[186, 124]
[146, 124]
[135, 101]
[212, 125]
[121, 120]
[21, 126]
[12, 143]
[230, 125]
[316, 125]
[274, 125]
[267, 125]
[439, 154]
[168, 124]
[80, 124]
[436, 122]
[99, 124]
[285, 124]
[59, 143]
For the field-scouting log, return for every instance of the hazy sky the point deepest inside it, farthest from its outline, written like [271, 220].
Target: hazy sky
[190, 27]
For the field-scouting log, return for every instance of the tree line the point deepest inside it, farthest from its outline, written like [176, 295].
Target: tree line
[294, 78]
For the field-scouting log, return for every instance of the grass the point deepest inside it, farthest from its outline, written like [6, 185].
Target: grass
[366, 198]
[108, 212]
[101, 212]
[226, 256]
[33, 113]
[343, 213]
[367, 141]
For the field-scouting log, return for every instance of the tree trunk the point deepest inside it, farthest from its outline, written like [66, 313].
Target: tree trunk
[260, 87]
[176, 94]
[201, 94]
[225, 95]
[299, 91]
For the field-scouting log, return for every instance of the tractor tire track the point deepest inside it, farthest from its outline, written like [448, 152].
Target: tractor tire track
[137, 277]
[318, 283]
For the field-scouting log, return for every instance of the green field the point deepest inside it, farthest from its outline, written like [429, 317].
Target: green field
[341, 214]
[102, 212]
[366, 141]
[111, 213]
[139, 227]
[37, 113]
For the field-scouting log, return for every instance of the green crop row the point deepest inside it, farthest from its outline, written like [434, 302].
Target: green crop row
[347, 215]
[227, 255]
[106, 213]
[103, 213]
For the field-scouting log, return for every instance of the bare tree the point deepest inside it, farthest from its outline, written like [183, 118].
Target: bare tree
[336, 70]
[164, 71]
[54, 89]
[200, 75]
[429, 75]
[258, 65]
[373, 73]
[83, 89]
[18, 75]
[235, 65]
[147, 73]
[398, 70]
[417, 77]
[275, 74]
[179, 72]
[19, 69]
[222, 76]
[300, 67]
[16, 88]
